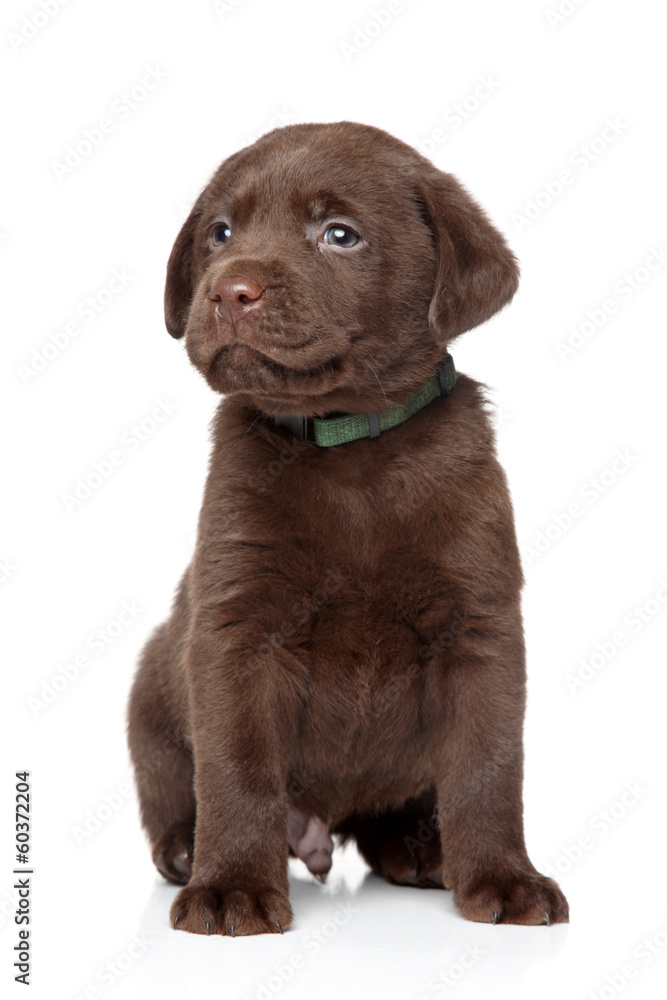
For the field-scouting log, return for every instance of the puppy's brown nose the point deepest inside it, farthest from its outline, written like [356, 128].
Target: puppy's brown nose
[237, 293]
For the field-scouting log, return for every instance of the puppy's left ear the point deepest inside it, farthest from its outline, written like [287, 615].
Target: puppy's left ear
[179, 286]
[477, 274]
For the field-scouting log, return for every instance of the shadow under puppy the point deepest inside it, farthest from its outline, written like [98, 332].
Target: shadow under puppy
[345, 652]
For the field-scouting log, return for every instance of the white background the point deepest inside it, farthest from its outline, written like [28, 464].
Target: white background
[595, 752]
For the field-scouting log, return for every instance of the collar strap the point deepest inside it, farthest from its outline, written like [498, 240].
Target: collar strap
[329, 431]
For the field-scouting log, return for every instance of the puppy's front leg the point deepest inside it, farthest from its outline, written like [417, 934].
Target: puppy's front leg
[480, 777]
[242, 722]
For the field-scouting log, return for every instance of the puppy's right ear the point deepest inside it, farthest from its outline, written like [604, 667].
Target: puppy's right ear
[180, 277]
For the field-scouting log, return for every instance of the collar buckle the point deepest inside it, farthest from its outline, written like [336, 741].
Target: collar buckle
[296, 424]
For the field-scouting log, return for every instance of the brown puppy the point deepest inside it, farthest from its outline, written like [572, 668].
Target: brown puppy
[345, 653]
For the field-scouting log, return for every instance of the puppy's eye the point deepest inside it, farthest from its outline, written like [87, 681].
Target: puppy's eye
[220, 234]
[340, 236]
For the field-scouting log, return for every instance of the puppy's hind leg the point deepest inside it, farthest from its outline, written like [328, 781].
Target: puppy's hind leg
[162, 763]
[403, 845]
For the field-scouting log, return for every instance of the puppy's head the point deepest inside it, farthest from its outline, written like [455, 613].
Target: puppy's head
[326, 267]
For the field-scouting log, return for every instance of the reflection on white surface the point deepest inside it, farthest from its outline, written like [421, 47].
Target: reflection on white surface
[356, 936]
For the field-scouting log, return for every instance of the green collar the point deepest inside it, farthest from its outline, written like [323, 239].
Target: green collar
[329, 431]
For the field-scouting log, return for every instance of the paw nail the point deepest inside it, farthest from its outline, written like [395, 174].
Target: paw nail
[208, 927]
[496, 917]
[279, 927]
[175, 922]
[547, 919]
[231, 931]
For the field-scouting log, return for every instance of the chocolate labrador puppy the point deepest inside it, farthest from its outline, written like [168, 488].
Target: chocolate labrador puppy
[345, 653]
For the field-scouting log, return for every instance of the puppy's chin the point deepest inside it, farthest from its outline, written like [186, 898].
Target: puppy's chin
[273, 386]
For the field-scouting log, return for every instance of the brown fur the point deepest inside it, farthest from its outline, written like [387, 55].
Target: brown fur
[347, 643]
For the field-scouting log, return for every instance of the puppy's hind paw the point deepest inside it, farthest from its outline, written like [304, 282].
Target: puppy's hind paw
[172, 854]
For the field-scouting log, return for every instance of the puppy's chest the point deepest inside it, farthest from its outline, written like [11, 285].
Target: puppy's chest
[360, 598]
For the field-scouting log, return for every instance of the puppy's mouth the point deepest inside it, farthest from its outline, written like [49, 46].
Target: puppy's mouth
[240, 367]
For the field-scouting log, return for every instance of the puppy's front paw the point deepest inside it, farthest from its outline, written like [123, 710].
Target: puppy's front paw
[513, 898]
[213, 909]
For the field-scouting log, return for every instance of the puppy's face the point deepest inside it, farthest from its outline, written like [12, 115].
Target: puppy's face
[326, 267]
